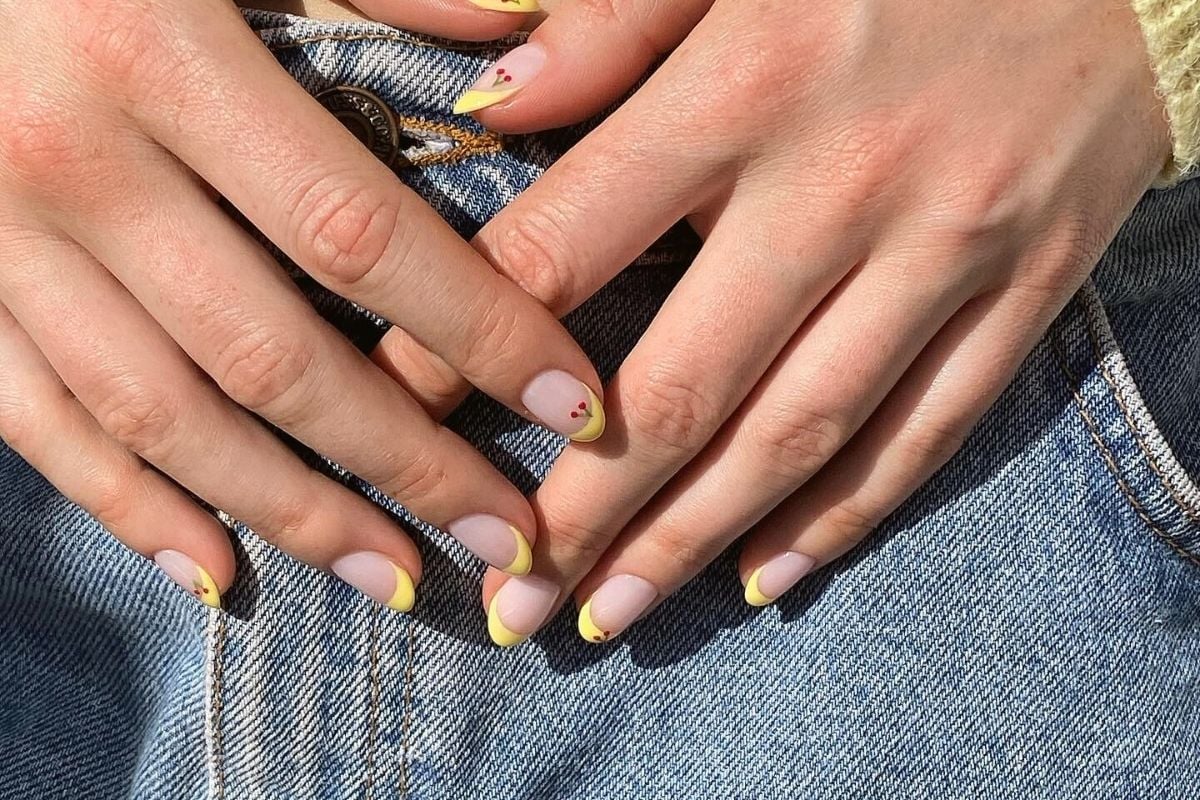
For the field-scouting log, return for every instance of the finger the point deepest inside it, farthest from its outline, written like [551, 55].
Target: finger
[462, 20]
[228, 304]
[150, 399]
[304, 180]
[581, 59]
[43, 422]
[920, 427]
[427, 378]
[824, 385]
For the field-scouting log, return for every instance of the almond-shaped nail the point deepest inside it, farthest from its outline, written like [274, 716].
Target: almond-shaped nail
[519, 608]
[497, 542]
[776, 576]
[511, 6]
[614, 606]
[190, 575]
[503, 79]
[378, 577]
[566, 405]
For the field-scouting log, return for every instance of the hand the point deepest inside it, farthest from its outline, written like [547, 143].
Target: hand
[141, 327]
[896, 200]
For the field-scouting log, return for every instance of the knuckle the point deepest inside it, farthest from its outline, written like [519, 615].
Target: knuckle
[18, 423]
[682, 550]
[795, 442]
[489, 342]
[344, 231]
[534, 250]
[141, 418]
[40, 140]
[261, 367]
[932, 444]
[122, 43]
[670, 412]
[573, 535]
[115, 493]
[850, 524]
[418, 478]
[287, 521]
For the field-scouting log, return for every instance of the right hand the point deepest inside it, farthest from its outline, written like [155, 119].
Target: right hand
[141, 329]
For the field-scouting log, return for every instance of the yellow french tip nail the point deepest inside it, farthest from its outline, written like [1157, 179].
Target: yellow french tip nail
[753, 595]
[474, 99]
[405, 596]
[511, 6]
[523, 562]
[210, 593]
[501, 635]
[595, 426]
[588, 629]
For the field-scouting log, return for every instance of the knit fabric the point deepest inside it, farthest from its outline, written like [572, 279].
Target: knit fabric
[1172, 30]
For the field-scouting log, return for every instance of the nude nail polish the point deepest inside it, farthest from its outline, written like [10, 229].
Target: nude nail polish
[378, 577]
[503, 79]
[614, 606]
[190, 575]
[776, 576]
[497, 542]
[519, 608]
[565, 405]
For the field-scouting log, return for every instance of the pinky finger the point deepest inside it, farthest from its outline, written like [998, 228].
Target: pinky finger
[43, 422]
[920, 426]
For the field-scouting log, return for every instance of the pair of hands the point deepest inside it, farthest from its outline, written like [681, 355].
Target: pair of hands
[895, 202]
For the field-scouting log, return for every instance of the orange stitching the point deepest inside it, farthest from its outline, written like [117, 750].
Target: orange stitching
[1110, 461]
[1190, 512]
[467, 143]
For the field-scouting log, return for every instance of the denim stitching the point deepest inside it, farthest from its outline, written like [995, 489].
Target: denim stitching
[406, 727]
[373, 712]
[1188, 510]
[1111, 463]
[460, 47]
[216, 705]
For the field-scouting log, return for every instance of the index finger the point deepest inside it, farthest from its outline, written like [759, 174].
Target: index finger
[342, 216]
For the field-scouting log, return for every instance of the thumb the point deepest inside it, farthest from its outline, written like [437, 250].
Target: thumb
[582, 58]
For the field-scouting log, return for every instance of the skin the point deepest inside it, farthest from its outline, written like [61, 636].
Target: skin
[141, 329]
[896, 200]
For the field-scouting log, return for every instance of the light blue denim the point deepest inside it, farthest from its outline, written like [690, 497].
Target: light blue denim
[1026, 626]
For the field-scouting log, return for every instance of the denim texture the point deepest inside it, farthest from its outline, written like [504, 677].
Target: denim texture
[1026, 626]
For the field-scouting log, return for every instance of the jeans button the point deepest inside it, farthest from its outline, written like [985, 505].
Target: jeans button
[369, 118]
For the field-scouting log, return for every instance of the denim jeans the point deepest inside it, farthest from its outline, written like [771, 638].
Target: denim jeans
[1026, 626]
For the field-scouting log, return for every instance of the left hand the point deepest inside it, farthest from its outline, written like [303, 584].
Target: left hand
[896, 200]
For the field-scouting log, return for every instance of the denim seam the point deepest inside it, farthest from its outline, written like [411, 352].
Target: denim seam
[1110, 461]
[373, 710]
[460, 47]
[215, 668]
[1095, 316]
[406, 725]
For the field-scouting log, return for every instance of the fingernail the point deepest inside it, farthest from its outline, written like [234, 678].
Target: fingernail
[519, 609]
[614, 606]
[190, 575]
[776, 576]
[503, 79]
[513, 6]
[495, 541]
[565, 405]
[378, 577]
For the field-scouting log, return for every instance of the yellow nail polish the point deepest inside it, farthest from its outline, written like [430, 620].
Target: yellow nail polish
[190, 575]
[596, 421]
[587, 628]
[753, 595]
[405, 596]
[523, 562]
[511, 6]
[500, 634]
[474, 100]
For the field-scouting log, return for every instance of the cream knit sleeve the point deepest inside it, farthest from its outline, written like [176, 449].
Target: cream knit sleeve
[1172, 29]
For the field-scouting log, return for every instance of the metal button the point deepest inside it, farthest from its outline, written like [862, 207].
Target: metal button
[367, 117]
